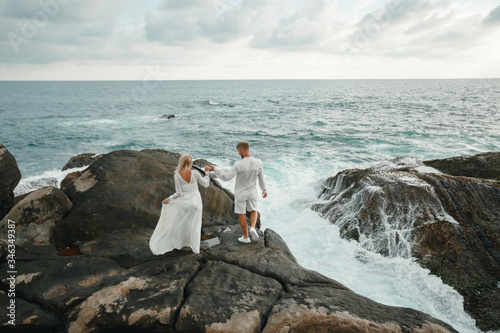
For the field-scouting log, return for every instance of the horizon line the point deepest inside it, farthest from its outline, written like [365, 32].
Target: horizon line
[344, 79]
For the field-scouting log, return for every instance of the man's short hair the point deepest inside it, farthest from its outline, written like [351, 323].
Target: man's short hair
[243, 145]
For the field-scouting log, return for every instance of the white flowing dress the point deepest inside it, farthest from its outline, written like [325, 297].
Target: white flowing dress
[180, 220]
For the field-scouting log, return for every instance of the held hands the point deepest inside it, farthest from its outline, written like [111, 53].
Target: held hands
[264, 195]
[165, 201]
[209, 168]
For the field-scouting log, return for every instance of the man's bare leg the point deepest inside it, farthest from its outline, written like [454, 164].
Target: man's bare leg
[253, 221]
[253, 218]
[243, 224]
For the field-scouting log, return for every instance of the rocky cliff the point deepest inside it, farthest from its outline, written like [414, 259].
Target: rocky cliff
[9, 178]
[83, 265]
[450, 223]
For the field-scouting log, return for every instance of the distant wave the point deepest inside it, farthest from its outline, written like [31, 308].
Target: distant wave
[214, 103]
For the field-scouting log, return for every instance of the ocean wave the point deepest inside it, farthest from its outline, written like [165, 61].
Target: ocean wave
[48, 178]
[214, 103]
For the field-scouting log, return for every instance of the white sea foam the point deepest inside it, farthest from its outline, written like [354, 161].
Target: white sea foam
[48, 178]
[317, 245]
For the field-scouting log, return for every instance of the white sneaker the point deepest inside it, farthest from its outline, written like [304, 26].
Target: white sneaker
[244, 240]
[254, 233]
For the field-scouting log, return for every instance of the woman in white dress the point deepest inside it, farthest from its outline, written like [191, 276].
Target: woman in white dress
[180, 219]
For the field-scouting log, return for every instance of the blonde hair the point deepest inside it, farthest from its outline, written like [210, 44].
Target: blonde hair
[185, 162]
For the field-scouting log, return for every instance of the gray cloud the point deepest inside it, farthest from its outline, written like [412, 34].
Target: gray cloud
[493, 17]
[416, 29]
[306, 25]
[220, 21]
[53, 30]
[95, 30]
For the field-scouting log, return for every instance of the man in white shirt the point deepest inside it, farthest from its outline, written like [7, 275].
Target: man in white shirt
[247, 172]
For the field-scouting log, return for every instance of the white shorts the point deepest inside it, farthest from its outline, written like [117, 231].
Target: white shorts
[244, 206]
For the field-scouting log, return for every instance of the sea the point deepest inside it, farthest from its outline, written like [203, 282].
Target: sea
[303, 130]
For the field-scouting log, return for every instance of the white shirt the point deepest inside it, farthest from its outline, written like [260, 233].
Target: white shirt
[246, 171]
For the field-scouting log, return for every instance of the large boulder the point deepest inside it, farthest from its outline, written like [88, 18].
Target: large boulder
[59, 283]
[9, 178]
[128, 247]
[325, 309]
[450, 224]
[218, 284]
[124, 190]
[484, 165]
[27, 317]
[9, 171]
[35, 217]
[148, 300]
[6, 200]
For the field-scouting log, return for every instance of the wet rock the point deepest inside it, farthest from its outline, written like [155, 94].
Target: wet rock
[320, 308]
[6, 200]
[81, 160]
[124, 190]
[450, 224]
[59, 283]
[272, 261]
[251, 297]
[35, 217]
[3, 250]
[28, 317]
[167, 116]
[484, 165]
[140, 303]
[274, 241]
[9, 171]
[9, 178]
[128, 247]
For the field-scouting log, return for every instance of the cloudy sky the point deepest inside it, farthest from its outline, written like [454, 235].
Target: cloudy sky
[248, 39]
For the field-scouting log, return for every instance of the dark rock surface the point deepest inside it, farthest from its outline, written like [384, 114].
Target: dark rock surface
[6, 200]
[29, 317]
[35, 216]
[128, 247]
[112, 283]
[124, 190]
[217, 284]
[9, 178]
[484, 165]
[167, 116]
[81, 160]
[450, 224]
[9, 171]
[326, 309]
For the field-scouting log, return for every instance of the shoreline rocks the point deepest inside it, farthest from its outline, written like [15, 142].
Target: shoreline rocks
[451, 224]
[484, 165]
[36, 216]
[81, 160]
[10, 175]
[113, 283]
